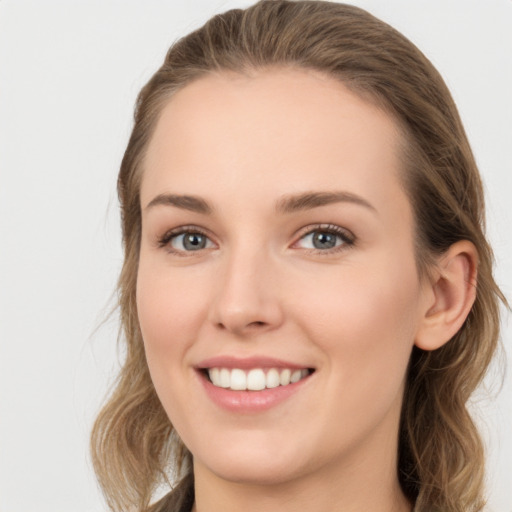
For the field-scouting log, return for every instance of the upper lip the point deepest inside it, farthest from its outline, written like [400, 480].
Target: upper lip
[247, 363]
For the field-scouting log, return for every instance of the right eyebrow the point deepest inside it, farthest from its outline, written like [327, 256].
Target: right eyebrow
[191, 203]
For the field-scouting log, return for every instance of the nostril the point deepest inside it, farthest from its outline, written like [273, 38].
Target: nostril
[256, 324]
[247, 327]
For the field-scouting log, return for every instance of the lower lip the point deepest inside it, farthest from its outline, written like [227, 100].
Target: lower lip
[250, 401]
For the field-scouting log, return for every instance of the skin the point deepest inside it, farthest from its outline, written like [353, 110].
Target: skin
[244, 144]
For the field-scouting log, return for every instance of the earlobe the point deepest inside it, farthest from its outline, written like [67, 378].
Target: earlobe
[452, 293]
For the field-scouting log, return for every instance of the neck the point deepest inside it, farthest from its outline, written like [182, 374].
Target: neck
[326, 496]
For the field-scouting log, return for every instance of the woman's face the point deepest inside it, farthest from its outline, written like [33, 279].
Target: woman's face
[277, 243]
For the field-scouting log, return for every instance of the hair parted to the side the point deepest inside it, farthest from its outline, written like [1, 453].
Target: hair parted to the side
[441, 457]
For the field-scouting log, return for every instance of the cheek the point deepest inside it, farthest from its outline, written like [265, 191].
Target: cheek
[171, 307]
[170, 314]
[365, 319]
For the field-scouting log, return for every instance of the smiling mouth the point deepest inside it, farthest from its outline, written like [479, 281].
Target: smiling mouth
[256, 379]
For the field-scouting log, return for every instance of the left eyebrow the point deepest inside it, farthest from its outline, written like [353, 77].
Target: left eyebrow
[307, 200]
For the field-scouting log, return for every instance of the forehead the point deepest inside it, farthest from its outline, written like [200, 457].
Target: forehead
[275, 131]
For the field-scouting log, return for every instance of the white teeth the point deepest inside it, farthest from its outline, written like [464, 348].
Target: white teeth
[214, 374]
[238, 380]
[284, 378]
[255, 379]
[295, 376]
[225, 378]
[272, 380]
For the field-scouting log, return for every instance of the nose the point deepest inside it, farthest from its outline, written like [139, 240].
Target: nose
[247, 301]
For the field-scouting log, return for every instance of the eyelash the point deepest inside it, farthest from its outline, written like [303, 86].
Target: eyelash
[347, 238]
[165, 240]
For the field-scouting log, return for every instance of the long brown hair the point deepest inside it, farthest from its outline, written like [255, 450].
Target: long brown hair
[441, 455]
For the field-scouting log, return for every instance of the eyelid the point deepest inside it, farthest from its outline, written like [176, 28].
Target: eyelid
[164, 241]
[347, 237]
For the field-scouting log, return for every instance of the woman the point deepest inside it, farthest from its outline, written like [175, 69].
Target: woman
[307, 294]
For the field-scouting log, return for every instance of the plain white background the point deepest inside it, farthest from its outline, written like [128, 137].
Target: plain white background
[69, 75]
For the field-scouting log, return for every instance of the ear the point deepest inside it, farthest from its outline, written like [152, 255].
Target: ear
[451, 294]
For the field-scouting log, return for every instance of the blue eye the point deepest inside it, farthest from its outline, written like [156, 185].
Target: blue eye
[185, 241]
[325, 239]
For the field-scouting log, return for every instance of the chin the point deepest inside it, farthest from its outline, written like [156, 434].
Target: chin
[254, 473]
[255, 465]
